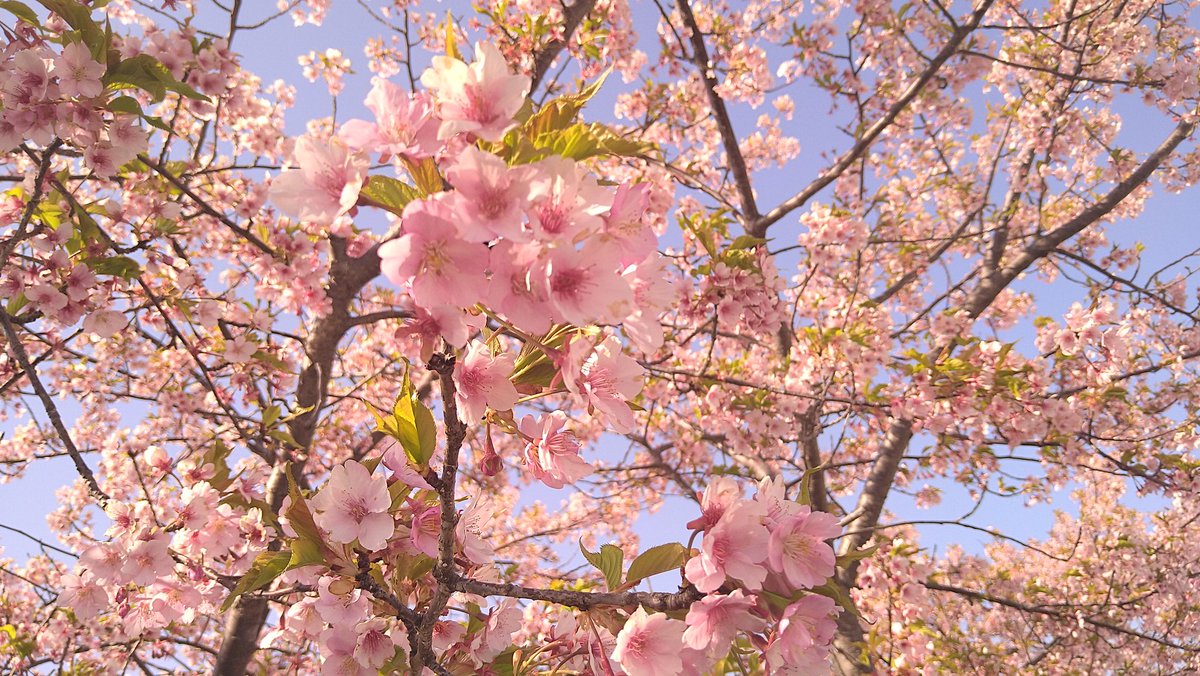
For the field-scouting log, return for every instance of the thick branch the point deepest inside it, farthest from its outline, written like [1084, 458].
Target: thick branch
[1043, 245]
[759, 227]
[347, 276]
[572, 17]
[444, 572]
[661, 601]
[733, 151]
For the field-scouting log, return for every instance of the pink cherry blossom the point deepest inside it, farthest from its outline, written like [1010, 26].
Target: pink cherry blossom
[443, 269]
[623, 225]
[395, 459]
[481, 381]
[510, 291]
[353, 505]
[502, 622]
[347, 609]
[798, 549]
[735, 548]
[804, 632]
[553, 454]
[604, 378]
[491, 196]
[449, 323]
[78, 73]
[82, 595]
[339, 653]
[46, 298]
[713, 621]
[403, 123]
[240, 350]
[426, 526]
[474, 529]
[148, 560]
[652, 294]
[327, 183]
[480, 98]
[721, 493]
[566, 203]
[649, 645]
[584, 286]
[375, 643]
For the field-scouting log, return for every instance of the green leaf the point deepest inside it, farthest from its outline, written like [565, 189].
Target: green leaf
[217, 455]
[77, 15]
[581, 141]
[264, 570]
[148, 74]
[299, 517]
[16, 303]
[656, 560]
[305, 553]
[388, 193]
[560, 113]
[139, 72]
[425, 174]
[118, 266]
[845, 559]
[273, 361]
[125, 104]
[22, 11]
[609, 561]
[411, 423]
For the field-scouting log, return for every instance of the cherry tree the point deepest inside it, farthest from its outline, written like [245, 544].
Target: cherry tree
[393, 394]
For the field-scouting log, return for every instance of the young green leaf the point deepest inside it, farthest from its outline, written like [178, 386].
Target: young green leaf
[609, 561]
[654, 561]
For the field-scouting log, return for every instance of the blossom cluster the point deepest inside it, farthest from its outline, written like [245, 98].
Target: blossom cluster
[535, 245]
[767, 544]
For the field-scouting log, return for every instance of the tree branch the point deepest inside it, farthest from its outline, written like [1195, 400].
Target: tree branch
[729, 139]
[759, 227]
[18, 350]
[205, 206]
[1039, 610]
[661, 601]
[572, 17]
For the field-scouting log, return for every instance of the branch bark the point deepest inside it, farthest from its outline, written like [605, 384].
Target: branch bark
[572, 17]
[759, 227]
[733, 151]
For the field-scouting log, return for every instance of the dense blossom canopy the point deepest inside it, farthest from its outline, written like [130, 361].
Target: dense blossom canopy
[400, 392]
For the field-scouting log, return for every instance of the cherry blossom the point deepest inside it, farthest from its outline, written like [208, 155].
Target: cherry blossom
[480, 98]
[403, 123]
[798, 551]
[482, 380]
[552, 454]
[735, 547]
[327, 183]
[442, 269]
[604, 378]
[649, 645]
[353, 506]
